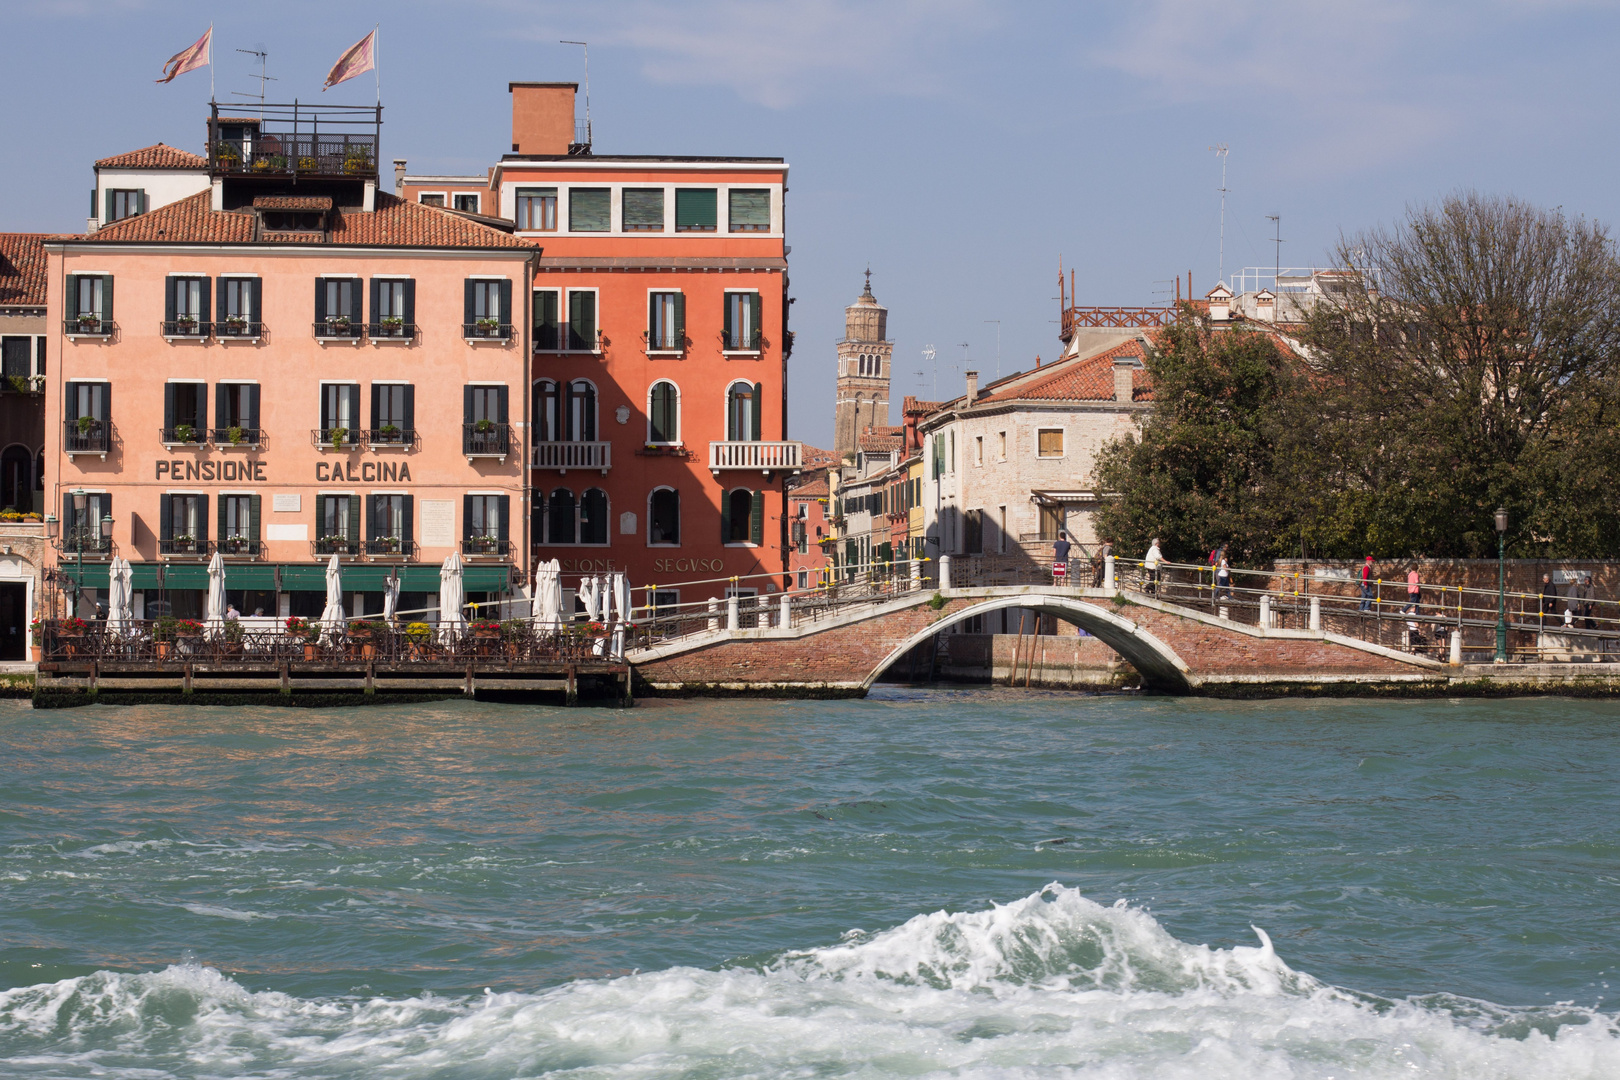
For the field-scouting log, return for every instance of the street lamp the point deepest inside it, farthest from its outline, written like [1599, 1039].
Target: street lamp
[1501, 585]
[80, 500]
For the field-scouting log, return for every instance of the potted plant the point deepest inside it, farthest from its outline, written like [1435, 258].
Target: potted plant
[389, 432]
[184, 433]
[236, 434]
[236, 324]
[486, 543]
[233, 636]
[87, 424]
[163, 633]
[89, 322]
[366, 635]
[488, 327]
[337, 325]
[514, 632]
[333, 543]
[338, 436]
[309, 633]
[419, 636]
[187, 629]
[391, 325]
[389, 543]
[484, 427]
[306, 164]
[185, 323]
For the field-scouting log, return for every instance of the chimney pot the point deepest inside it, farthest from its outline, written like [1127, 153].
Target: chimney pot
[399, 176]
[1124, 379]
[972, 387]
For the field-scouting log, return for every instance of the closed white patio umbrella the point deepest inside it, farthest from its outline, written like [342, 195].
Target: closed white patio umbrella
[390, 597]
[119, 596]
[214, 609]
[548, 594]
[332, 617]
[451, 597]
[621, 604]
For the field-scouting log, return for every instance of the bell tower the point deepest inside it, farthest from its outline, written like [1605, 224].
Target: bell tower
[864, 356]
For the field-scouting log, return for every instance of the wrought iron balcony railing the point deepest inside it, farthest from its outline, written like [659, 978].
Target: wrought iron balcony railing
[336, 438]
[734, 341]
[382, 331]
[239, 547]
[238, 328]
[184, 435]
[485, 545]
[78, 438]
[665, 343]
[186, 328]
[484, 329]
[398, 436]
[185, 546]
[395, 546]
[335, 545]
[339, 330]
[88, 326]
[486, 439]
[236, 436]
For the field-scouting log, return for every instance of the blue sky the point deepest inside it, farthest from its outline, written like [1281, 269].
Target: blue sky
[960, 147]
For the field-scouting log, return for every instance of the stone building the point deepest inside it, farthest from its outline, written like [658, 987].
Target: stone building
[23, 360]
[864, 358]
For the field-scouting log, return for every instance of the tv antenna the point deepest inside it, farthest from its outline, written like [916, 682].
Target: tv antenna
[1220, 152]
[928, 355]
[587, 49]
[261, 76]
[998, 345]
[1276, 220]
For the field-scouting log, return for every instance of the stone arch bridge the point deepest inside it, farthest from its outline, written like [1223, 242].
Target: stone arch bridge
[1177, 650]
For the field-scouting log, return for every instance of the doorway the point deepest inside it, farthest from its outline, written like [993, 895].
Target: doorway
[13, 620]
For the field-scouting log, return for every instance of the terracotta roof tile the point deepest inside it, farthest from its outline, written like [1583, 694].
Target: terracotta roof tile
[1088, 379]
[22, 269]
[395, 223]
[292, 202]
[814, 489]
[815, 456]
[880, 444]
[154, 157]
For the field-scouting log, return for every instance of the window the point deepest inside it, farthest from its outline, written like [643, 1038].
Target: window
[123, 203]
[393, 413]
[239, 524]
[185, 306]
[16, 357]
[435, 199]
[16, 474]
[185, 412]
[337, 524]
[86, 415]
[695, 210]
[666, 322]
[667, 600]
[589, 209]
[547, 412]
[1051, 442]
[742, 517]
[664, 413]
[664, 517]
[1001, 530]
[537, 209]
[236, 405]
[90, 303]
[547, 328]
[1051, 522]
[953, 452]
[337, 307]
[750, 210]
[938, 456]
[393, 307]
[484, 521]
[643, 209]
[741, 332]
[340, 411]
[742, 412]
[388, 525]
[978, 449]
[467, 203]
[581, 411]
[593, 517]
[239, 302]
[582, 320]
[1001, 444]
[182, 524]
[486, 308]
[974, 534]
[560, 517]
[484, 420]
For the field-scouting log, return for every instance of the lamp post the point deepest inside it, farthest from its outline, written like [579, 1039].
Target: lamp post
[1501, 584]
[80, 499]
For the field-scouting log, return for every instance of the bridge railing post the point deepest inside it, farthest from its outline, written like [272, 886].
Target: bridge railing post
[785, 621]
[916, 575]
[1265, 613]
[733, 613]
[1316, 614]
[1456, 648]
[714, 614]
[944, 573]
[1108, 574]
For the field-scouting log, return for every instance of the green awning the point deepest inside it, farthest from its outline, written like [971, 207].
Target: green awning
[94, 577]
[296, 577]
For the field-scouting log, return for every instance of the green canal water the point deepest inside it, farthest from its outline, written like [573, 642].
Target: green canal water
[973, 884]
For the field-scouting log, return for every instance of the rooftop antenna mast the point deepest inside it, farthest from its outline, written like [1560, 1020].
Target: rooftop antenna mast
[928, 355]
[1220, 152]
[587, 49]
[261, 76]
[1276, 220]
[998, 345]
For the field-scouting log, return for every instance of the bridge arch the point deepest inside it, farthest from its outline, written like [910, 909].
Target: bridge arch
[1160, 667]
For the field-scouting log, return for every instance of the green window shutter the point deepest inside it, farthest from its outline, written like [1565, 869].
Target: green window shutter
[500, 402]
[409, 311]
[467, 517]
[409, 423]
[320, 300]
[756, 520]
[589, 209]
[221, 396]
[354, 516]
[201, 416]
[725, 517]
[257, 314]
[503, 507]
[644, 209]
[108, 216]
[355, 416]
[357, 311]
[220, 525]
[374, 517]
[106, 403]
[696, 209]
[750, 210]
[731, 416]
[376, 297]
[468, 305]
[376, 405]
[680, 316]
[759, 407]
[407, 528]
[251, 420]
[727, 319]
[466, 404]
[165, 516]
[170, 309]
[202, 517]
[205, 300]
[140, 200]
[71, 308]
[106, 298]
[168, 406]
[506, 303]
[220, 301]
[253, 518]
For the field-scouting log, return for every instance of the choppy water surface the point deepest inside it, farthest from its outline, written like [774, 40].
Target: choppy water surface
[969, 884]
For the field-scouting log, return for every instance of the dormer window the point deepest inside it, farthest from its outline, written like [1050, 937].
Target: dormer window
[294, 221]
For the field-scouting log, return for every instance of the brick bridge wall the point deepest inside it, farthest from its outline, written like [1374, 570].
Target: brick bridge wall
[839, 660]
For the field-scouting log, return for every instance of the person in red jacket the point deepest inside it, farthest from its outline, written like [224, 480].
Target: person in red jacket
[1367, 584]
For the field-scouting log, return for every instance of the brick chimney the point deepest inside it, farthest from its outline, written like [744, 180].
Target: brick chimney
[542, 117]
[399, 175]
[972, 387]
[1124, 378]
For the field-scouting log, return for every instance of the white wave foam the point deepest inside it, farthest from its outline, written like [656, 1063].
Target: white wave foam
[1051, 985]
[216, 912]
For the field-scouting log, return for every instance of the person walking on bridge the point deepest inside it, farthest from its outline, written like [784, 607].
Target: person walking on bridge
[1549, 601]
[1060, 559]
[1150, 567]
[1414, 591]
[1367, 584]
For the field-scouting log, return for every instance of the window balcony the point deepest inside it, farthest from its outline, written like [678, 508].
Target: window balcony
[391, 331]
[184, 435]
[339, 330]
[391, 547]
[764, 456]
[391, 435]
[239, 547]
[88, 326]
[186, 330]
[236, 328]
[87, 541]
[81, 438]
[185, 547]
[485, 547]
[327, 546]
[747, 343]
[563, 456]
[335, 438]
[486, 439]
[664, 344]
[487, 330]
[246, 438]
[551, 339]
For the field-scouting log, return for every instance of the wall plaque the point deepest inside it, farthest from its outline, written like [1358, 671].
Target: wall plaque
[438, 523]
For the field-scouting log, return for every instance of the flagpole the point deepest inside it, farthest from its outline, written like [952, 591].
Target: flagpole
[376, 72]
[210, 63]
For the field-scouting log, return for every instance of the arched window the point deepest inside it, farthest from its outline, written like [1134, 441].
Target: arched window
[742, 412]
[593, 517]
[581, 411]
[16, 475]
[664, 517]
[560, 517]
[742, 517]
[664, 413]
[547, 412]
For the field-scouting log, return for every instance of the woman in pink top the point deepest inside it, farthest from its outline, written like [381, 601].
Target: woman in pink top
[1414, 590]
